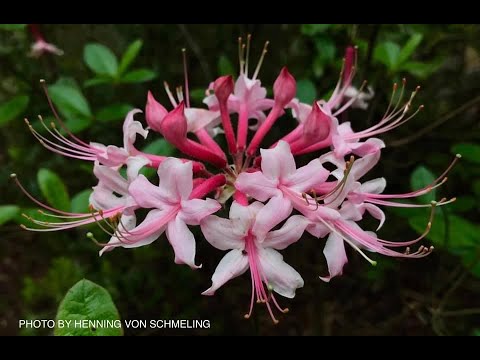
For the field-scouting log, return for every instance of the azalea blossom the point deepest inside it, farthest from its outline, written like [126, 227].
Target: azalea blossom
[175, 205]
[40, 46]
[271, 202]
[254, 246]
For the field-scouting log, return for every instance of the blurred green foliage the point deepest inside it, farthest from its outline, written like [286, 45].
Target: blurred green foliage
[108, 69]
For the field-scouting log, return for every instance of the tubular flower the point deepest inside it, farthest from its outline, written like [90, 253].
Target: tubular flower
[271, 201]
[254, 247]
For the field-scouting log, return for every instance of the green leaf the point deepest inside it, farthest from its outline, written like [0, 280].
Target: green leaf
[129, 56]
[197, 94]
[419, 69]
[409, 48]
[138, 76]
[80, 201]
[463, 204]
[84, 302]
[462, 234]
[7, 213]
[13, 108]
[97, 81]
[100, 59]
[326, 49]
[469, 151]
[225, 66]
[159, 147]
[69, 100]
[53, 189]
[476, 187]
[113, 112]
[77, 124]
[420, 178]
[312, 29]
[306, 91]
[12, 27]
[388, 54]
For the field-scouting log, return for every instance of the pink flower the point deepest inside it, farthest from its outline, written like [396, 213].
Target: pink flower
[40, 46]
[174, 208]
[284, 184]
[252, 246]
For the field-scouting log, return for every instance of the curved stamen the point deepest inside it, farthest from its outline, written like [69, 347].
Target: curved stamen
[57, 117]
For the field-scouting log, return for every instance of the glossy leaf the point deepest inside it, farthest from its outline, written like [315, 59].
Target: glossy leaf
[84, 302]
[100, 59]
[13, 109]
[53, 189]
[129, 55]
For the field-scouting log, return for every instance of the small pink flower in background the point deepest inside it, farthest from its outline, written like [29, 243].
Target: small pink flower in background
[254, 246]
[40, 46]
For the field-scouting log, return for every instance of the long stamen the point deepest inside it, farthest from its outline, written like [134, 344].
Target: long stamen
[332, 229]
[57, 117]
[170, 95]
[352, 100]
[247, 56]
[39, 203]
[341, 185]
[59, 149]
[58, 135]
[260, 61]
[179, 90]
[185, 71]
[240, 55]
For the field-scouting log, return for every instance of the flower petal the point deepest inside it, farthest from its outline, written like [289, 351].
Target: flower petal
[110, 178]
[308, 176]
[176, 178]
[152, 226]
[377, 213]
[233, 264]
[193, 211]
[289, 233]
[318, 229]
[274, 212]
[199, 118]
[371, 146]
[364, 165]
[222, 233]
[183, 242]
[278, 163]
[245, 216]
[257, 185]
[334, 252]
[130, 130]
[148, 195]
[134, 165]
[103, 198]
[280, 276]
[375, 186]
[113, 156]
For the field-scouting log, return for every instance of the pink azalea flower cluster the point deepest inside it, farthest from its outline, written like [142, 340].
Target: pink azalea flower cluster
[272, 203]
